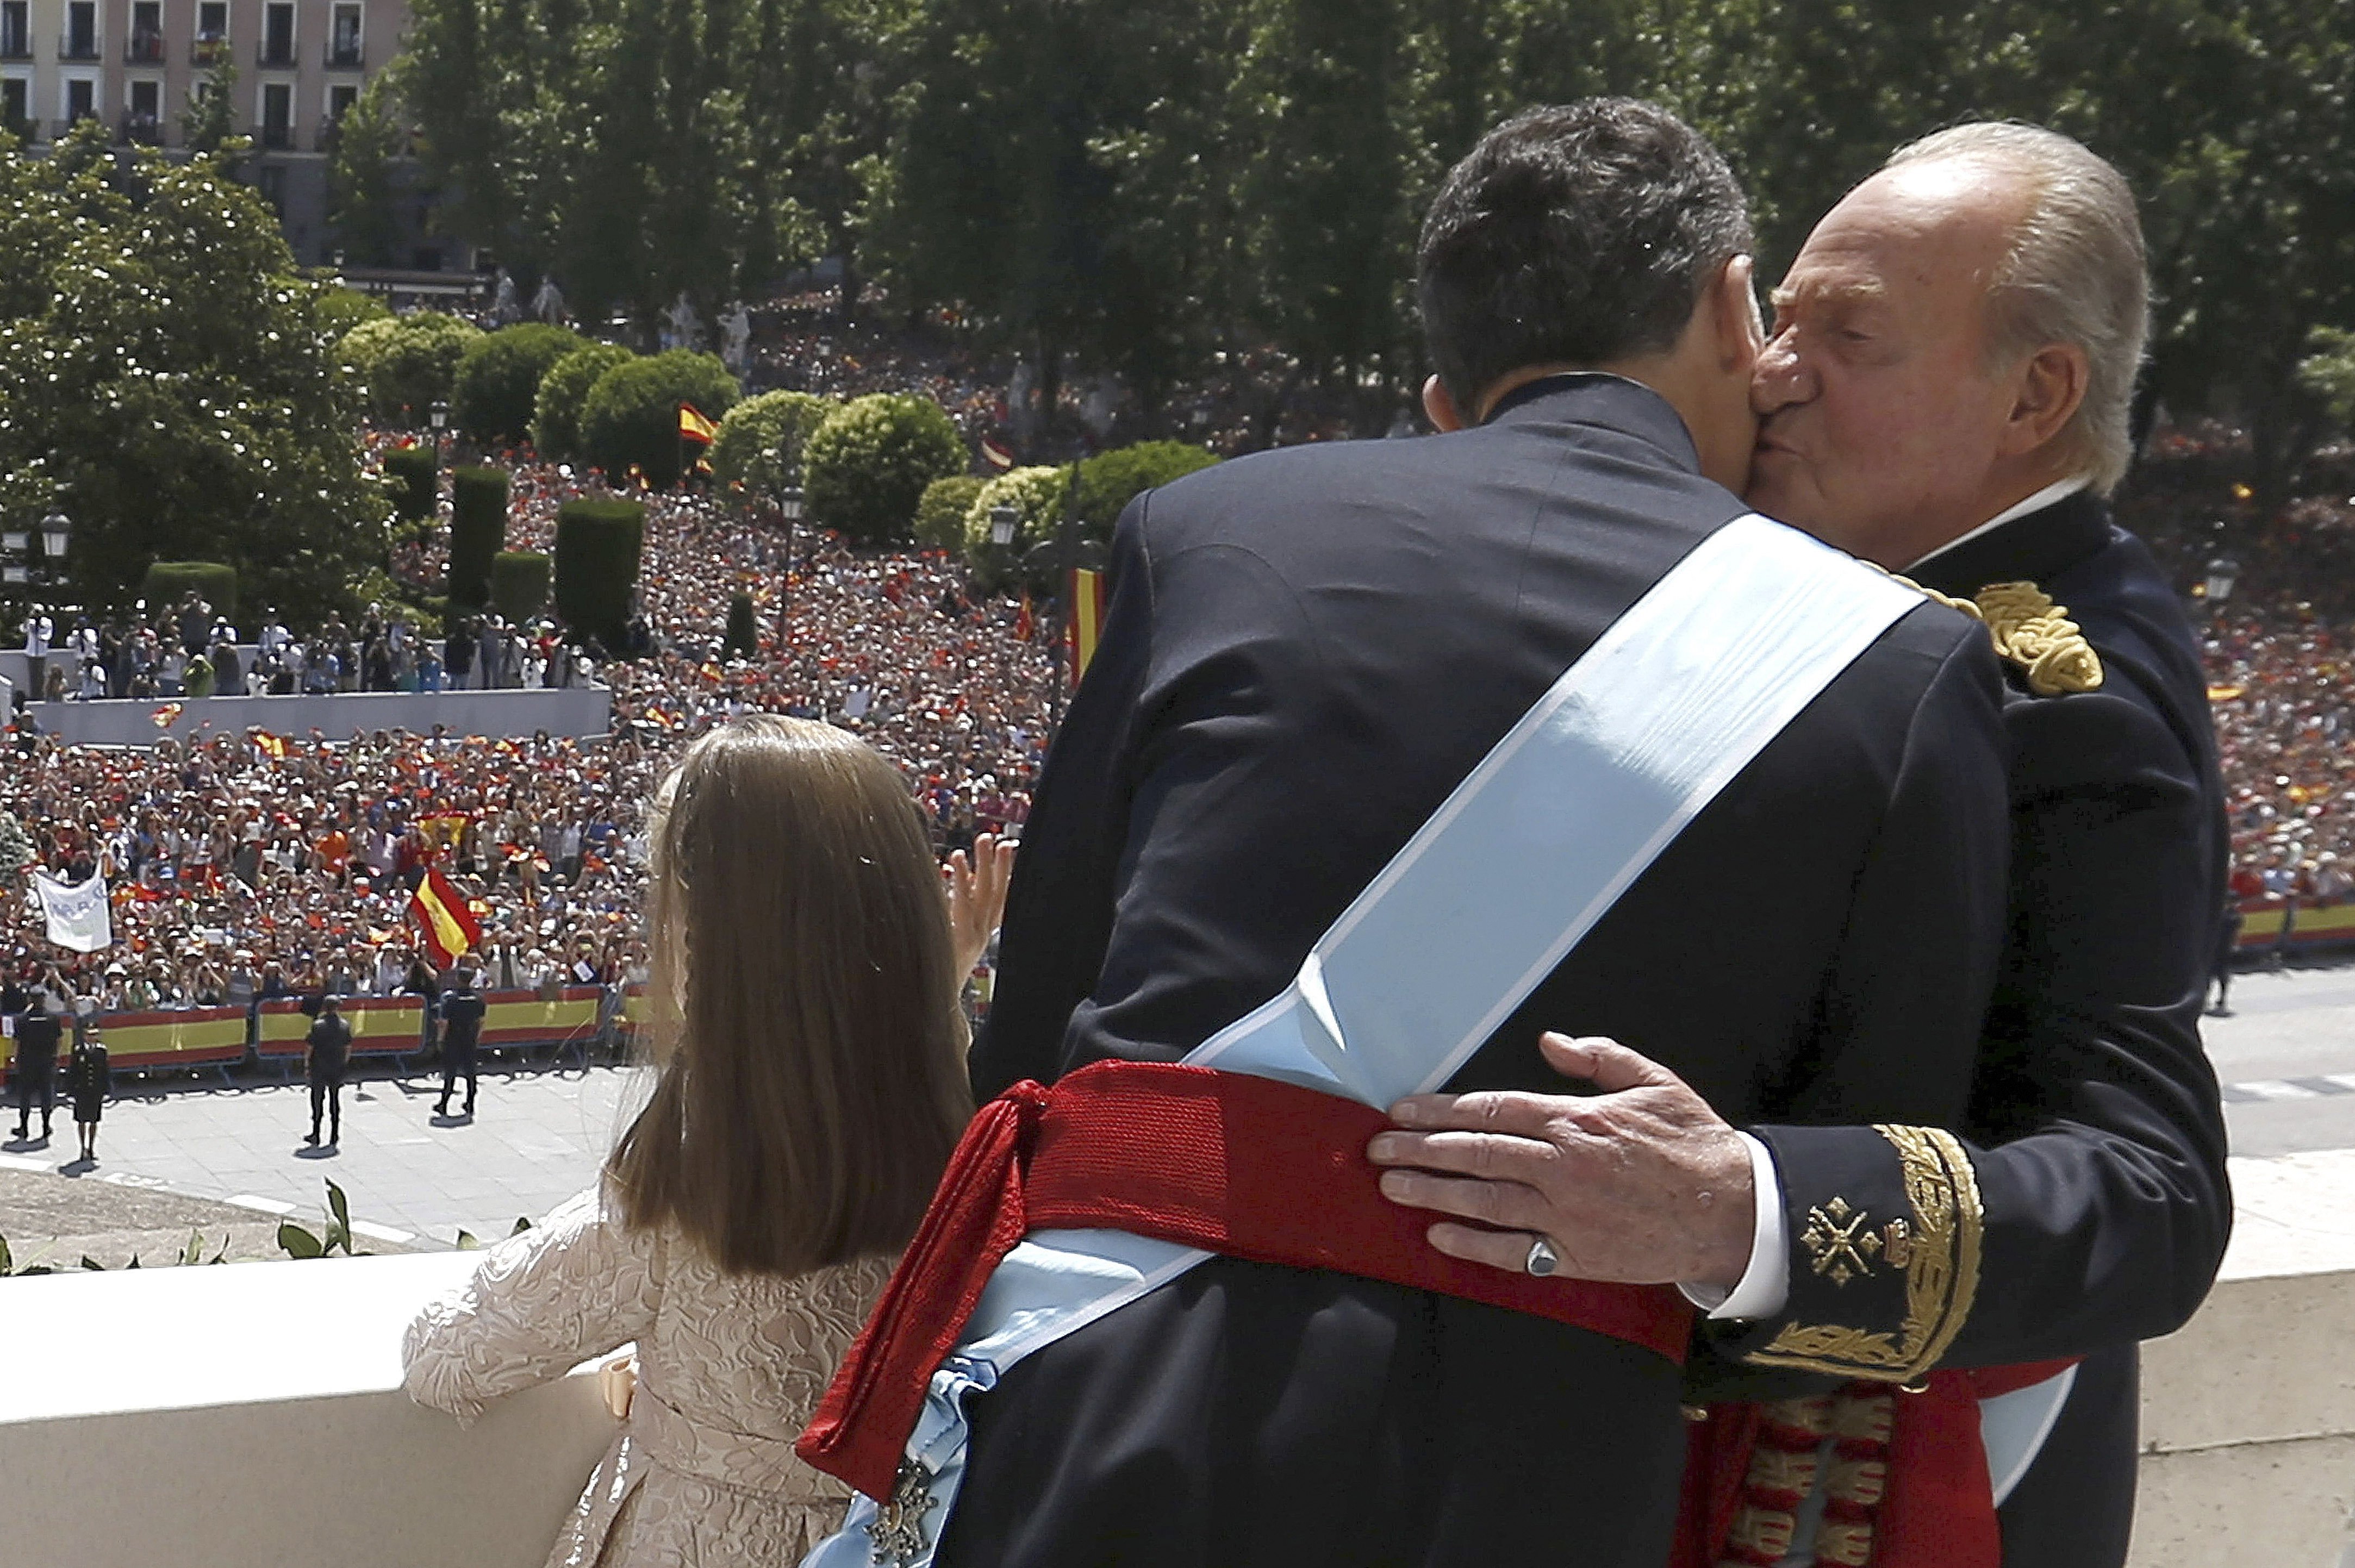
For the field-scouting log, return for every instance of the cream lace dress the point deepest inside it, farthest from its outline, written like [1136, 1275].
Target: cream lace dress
[729, 1367]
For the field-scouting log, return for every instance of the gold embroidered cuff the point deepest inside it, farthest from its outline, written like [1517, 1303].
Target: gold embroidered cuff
[1942, 1273]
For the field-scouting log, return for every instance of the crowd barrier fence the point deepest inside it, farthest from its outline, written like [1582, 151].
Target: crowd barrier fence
[2312, 925]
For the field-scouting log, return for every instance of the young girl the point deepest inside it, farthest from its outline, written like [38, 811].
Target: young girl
[810, 1086]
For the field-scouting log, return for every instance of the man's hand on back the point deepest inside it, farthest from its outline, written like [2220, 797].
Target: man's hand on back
[1640, 1183]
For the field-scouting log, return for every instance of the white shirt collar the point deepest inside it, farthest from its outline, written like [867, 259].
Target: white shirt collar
[2036, 503]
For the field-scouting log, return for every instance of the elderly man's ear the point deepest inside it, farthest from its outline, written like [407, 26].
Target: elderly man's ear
[2047, 390]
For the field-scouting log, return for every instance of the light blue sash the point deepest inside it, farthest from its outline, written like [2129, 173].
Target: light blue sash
[1483, 903]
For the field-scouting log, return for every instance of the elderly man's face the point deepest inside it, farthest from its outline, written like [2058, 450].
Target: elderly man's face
[1880, 418]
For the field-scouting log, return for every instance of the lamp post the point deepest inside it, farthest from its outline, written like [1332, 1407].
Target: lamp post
[1003, 520]
[2223, 574]
[440, 416]
[789, 507]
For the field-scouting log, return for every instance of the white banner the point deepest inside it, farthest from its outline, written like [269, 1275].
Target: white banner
[79, 919]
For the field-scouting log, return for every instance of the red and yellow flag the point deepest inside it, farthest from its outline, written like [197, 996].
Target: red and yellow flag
[1084, 629]
[449, 926]
[694, 427]
[270, 744]
[1025, 623]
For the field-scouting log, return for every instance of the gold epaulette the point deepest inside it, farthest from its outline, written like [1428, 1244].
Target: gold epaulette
[2030, 631]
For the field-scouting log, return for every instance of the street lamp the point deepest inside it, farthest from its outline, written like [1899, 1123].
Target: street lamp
[789, 507]
[1003, 520]
[439, 415]
[2223, 572]
[57, 531]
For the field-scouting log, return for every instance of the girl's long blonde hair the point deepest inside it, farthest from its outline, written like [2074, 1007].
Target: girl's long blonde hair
[804, 1017]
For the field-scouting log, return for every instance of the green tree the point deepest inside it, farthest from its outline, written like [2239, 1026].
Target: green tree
[208, 119]
[1036, 495]
[940, 511]
[556, 408]
[630, 418]
[2329, 373]
[495, 390]
[367, 142]
[408, 363]
[866, 466]
[1110, 480]
[167, 374]
[760, 443]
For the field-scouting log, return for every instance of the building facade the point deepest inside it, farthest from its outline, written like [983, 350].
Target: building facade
[133, 66]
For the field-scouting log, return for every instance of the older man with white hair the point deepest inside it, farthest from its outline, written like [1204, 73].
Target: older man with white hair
[1946, 392]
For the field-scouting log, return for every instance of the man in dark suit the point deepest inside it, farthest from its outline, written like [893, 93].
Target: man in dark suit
[1306, 651]
[330, 1040]
[35, 1070]
[461, 1031]
[1946, 394]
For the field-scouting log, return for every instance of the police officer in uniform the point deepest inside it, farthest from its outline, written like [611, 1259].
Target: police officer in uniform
[35, 1070]
[1306, 651]
[461, 1031]
[330, 1043]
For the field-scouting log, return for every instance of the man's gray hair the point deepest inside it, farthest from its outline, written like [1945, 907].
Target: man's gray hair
[2075, 272]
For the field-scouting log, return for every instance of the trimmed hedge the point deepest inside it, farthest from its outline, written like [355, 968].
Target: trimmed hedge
[743, 638]
[631, 416]
[940, 515]
[416, 480]
[478, 531]
[407, 363]
[867, 467]
[761, 441]
[597, 551]
[496, 388]
[1036, 493]
[167, 582]
[556, 407]
[1110, 480]
[519, 584]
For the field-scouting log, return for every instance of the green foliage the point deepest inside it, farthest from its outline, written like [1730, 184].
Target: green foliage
[415, 479]
[167, 376]
[497, 389]
[760, 443]
[630, 418]
[342, 308]
[597, 553]
[1036, 495]
[556, 407]
[866, 466]
[367, 144]
[167, 582]
[208, 120]
[2329, 372]
[1110, 480]
[299, 1243]
[16, 854]
[408, 363]
[519, 584]
[478, 531]
[743, 637]
[940, 513]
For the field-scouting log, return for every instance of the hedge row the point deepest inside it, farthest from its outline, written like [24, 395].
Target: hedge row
[478, 531]
[168, 582]
[415, 475]
[597, 553]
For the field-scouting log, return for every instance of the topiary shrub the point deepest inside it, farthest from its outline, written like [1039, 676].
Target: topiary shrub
[940, 515]
[478, 531]
[743, 638]
[341, 310]
[519, 584]
[1110, 480]
[597, 547]
[631, 414]
[866, 466]
[556, 407]
[496, 388]
[1037, 494]
[407, 363]
[167, 582]
[761, 441]
[416, 481]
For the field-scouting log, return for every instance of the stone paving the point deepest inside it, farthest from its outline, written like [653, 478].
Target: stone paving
[412, 1179]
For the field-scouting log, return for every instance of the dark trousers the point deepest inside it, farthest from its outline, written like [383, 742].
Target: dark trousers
[32, 1090]
[2075, 1509]
[456, 1066]
[327, 1095]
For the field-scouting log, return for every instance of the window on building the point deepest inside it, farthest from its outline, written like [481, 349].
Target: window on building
[277, 114]
[16, 29]
[212, 21]
[145, 45]
[81, 30]
[17, 103]
[340, 99]
[344, 36]
[81, 98]
[278, 33]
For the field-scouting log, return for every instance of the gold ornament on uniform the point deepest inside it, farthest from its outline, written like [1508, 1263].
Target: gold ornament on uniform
[2028, 628]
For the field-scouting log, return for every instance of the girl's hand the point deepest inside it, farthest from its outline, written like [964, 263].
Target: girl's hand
[976, 890]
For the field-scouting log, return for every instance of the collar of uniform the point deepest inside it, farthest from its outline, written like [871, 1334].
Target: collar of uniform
[2034, 547]
[1597, 397]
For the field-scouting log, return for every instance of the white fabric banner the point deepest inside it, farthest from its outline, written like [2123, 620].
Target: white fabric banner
[80, 920]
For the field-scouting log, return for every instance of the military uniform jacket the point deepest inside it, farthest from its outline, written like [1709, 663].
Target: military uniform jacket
[1305, 652]
[2091, 1162]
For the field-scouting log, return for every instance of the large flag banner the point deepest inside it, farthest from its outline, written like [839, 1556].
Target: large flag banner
[80, 920]
[1085, 628]
[997, 453]
[694, 427]
[440, 910]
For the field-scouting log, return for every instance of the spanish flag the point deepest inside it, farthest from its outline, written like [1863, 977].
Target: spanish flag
[997, 453]
[694, 427]
[270, 744]
[1085, 628]
[1025, 623]
[449, 926]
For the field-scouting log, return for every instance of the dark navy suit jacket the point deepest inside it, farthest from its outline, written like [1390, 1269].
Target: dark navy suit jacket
[1305, 652]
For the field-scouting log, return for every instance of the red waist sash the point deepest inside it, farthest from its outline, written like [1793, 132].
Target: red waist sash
[1242, 1166]
[1907, 1487]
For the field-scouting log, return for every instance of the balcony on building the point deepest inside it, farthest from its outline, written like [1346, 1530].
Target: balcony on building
[347, 54]
[275, 54]
[143, 129]
[144, 49]
[73, 47]
[275, 136]
[210, 49]
[16, 34]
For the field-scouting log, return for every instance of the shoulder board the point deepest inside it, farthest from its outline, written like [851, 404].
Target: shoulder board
[2028, 629]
